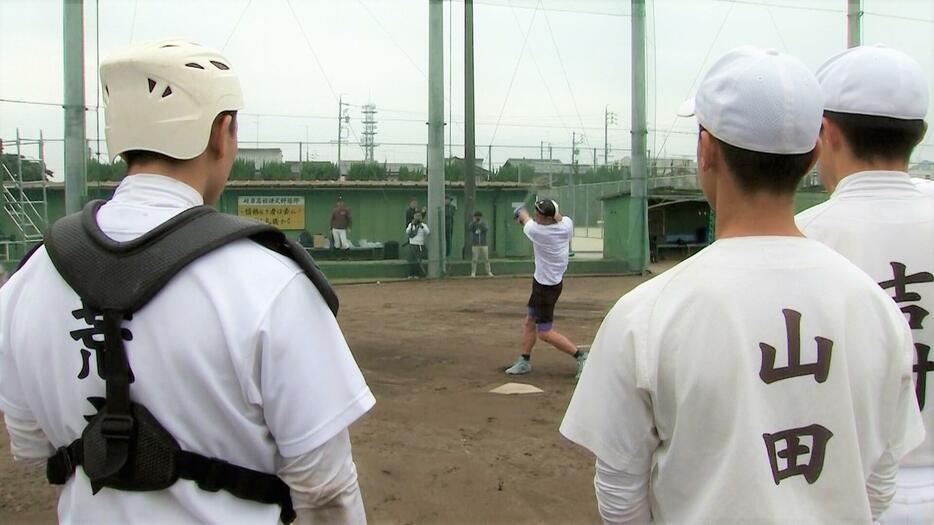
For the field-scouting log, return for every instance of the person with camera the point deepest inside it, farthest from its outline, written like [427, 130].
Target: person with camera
[416, 231]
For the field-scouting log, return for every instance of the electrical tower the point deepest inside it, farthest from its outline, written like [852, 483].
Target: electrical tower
[369, 132]
[343, 117]
[609, 117]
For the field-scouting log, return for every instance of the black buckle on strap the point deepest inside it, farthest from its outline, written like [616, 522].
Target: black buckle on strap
[215, 473]
[116, 426]
[59, 467]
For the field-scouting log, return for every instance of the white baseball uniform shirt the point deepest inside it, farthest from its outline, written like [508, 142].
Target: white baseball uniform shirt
[884, 223]
[925, 185]
[551, 244]
[764, 379]
[238, 357]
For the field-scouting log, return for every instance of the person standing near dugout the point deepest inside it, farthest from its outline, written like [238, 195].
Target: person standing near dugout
[766, 379]
[550, 233]
[341, 222]
[875, 102]
[480, 252]
[238, 355]
[416, 231]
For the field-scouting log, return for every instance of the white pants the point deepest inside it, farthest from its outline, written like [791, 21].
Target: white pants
[340, 239]
[480, 254]
[914, 498]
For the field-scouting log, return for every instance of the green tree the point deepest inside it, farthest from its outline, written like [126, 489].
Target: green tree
[242, 169]
[105, 172]
[507, 173]
[407, 174]
[275, 171]
[32, 170]
[366, 171]
[319, 171]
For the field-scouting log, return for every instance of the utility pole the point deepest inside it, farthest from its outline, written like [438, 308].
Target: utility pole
[574, 166]
[435, 217]
[541, 150]
[470, 141]
[76, 190]
[342, 117]
[638, 217]
[369, 132]
[609, 117]
[854, 29]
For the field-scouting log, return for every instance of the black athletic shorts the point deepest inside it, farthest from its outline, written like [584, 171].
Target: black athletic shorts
[542, 304]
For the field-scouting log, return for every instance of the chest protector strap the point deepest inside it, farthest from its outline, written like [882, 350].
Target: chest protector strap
[123, 446]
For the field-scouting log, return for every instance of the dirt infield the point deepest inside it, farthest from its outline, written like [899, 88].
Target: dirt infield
[438, 448]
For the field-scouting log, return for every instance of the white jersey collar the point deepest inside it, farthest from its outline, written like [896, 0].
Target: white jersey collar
[157, 191]
[876, 184]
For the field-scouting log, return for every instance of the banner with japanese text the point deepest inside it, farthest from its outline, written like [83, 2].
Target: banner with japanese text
[286, 213]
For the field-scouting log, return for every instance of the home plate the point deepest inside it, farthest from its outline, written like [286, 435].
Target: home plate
[516, 388]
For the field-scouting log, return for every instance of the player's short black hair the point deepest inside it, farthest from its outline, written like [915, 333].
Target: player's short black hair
[872, 138]
[142, 156]
[546, 207]
[764, 172]
[478, 213]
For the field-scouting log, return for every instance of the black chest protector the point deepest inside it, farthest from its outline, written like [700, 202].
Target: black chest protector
[123, 446]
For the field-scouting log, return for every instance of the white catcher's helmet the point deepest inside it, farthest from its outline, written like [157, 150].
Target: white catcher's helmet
[164, 97]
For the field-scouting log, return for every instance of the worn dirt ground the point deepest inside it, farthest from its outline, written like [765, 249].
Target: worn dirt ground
[438, 448]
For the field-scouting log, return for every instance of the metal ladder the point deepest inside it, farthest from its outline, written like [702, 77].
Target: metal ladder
[21, 210]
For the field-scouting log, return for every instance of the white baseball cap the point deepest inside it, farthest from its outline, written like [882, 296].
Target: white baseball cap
[164, 96]
[760, 100]
[874, 80]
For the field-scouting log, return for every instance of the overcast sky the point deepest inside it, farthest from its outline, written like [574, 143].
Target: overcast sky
[544, 68]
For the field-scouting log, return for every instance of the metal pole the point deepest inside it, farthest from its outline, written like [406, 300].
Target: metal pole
[450, 123]
[854, 30]
[45, 182]
[638, 217]
[19, 177]
[435, 134]
[573, 173]
[340, 131]
[606, 131]
[470, 141]
[76, 191]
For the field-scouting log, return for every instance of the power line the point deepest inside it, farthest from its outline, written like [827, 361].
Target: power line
[31, 102]
[312, 49]
[567, 79]
[515, 70]
[237, 25]
[133, 21]
[900, 17]
[554, 10]
[545, 84]
[777, 29]
[784, 6]
[701, 69]
[391, 38]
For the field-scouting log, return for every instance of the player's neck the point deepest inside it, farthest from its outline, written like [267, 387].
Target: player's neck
[759, 214]
[852, 165]
[190, 172]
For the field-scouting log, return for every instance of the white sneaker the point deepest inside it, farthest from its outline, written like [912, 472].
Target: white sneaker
[473, 274]
[490, 274]
[522, 366]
